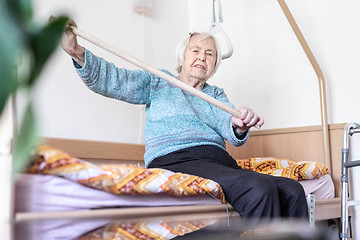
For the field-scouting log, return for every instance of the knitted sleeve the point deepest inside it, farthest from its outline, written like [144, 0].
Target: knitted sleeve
[224, 124]
[103, 77]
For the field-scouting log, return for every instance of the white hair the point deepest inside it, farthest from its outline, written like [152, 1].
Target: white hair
[180, 50]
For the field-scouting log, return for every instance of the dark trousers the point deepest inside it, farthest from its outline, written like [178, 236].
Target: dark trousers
[252, 194]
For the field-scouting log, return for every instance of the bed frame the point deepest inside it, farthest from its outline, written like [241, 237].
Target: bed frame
[280, 143]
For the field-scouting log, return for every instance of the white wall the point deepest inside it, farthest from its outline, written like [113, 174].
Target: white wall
[65, 107]
[268, 72]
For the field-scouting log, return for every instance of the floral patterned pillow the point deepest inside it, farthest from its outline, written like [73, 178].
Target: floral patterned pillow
[121, 179]
[303, 170]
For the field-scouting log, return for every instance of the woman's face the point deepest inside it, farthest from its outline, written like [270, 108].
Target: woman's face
[200, 58]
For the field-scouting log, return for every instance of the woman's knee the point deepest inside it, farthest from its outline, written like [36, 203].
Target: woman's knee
[255, 197]
[295, 190]
[255, 187]
[263, 187]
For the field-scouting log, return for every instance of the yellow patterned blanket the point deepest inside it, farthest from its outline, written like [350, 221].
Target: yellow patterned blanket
[303, 170]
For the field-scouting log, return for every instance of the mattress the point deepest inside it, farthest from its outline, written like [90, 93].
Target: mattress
[322, 187]
[47, 193]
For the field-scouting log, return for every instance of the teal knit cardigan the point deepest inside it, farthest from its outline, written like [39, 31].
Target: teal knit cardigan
[175, 119]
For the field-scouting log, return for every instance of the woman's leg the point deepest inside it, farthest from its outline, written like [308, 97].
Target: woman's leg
[292, 197]
[252, 194]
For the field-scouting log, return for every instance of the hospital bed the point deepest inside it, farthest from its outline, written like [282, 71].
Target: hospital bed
[39, 196]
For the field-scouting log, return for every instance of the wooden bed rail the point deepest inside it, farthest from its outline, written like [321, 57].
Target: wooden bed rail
[129, 213]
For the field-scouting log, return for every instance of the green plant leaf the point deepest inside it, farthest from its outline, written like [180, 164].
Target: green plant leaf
[43, 43]
[18, 37]
[25, 142]
[20, 10]
[10, 45]
[8, 82]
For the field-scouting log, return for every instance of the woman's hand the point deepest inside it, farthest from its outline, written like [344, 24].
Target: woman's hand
[246, 120]
[69, 42]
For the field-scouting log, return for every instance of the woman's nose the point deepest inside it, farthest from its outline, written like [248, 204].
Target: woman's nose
[201, 57]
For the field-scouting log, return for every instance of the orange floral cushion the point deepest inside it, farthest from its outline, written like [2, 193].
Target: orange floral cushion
[284, 167]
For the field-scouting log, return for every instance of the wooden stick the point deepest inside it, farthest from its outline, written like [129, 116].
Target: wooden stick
[176, 82]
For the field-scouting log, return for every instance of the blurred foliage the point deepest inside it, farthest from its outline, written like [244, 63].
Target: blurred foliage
[21, 38]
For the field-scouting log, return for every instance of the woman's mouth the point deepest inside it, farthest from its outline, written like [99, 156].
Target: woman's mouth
[199, 66]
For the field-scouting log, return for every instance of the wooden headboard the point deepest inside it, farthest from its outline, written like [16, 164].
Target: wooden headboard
[100, 152]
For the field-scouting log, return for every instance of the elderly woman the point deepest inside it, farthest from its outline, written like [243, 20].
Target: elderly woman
[186, 134]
